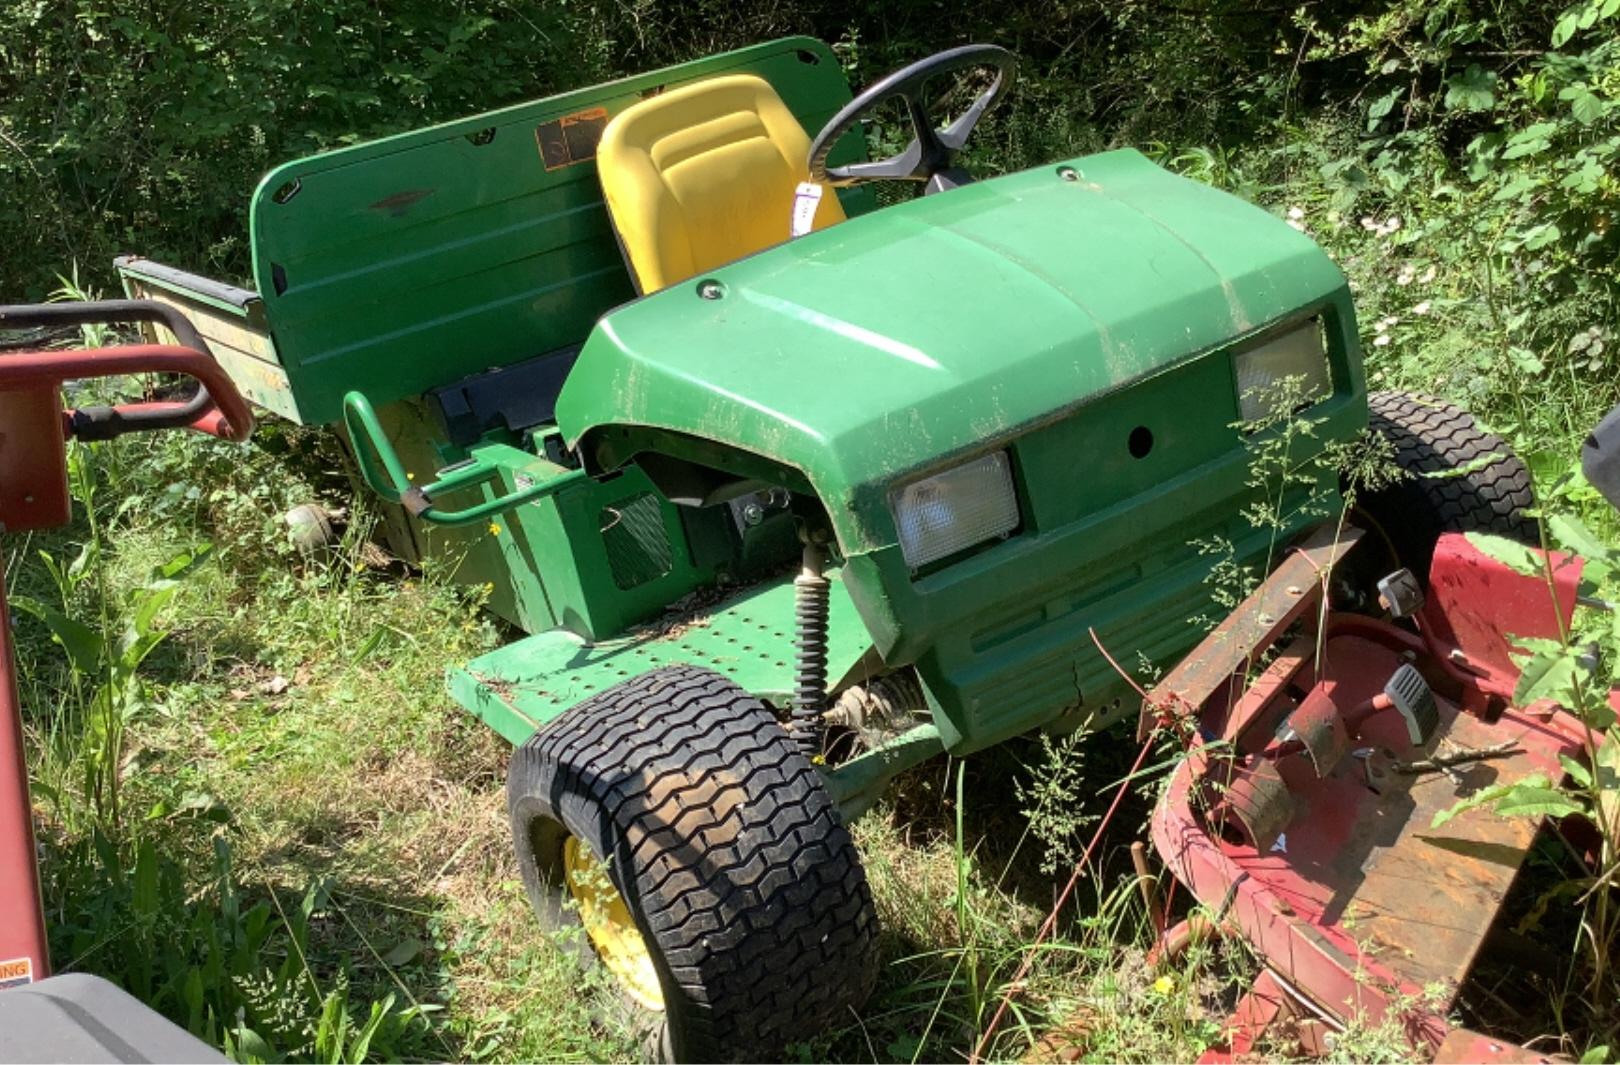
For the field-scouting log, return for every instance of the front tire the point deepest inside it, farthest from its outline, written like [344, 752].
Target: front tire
[719, 840]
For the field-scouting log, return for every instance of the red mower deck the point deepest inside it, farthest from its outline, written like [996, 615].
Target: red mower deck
[1302, 817]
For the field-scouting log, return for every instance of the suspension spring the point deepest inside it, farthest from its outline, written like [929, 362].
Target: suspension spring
[811, 592]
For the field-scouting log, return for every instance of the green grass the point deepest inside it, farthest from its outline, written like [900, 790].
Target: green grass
[294, 755]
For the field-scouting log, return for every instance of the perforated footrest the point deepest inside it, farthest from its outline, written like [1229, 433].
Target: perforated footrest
[1414, 699]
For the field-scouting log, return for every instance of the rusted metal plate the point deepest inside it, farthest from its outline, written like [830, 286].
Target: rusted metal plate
[1358, 901]
[1262, 804]
[1464, 1045]
[1359, 904]
[1418, 898]
[1293, 586]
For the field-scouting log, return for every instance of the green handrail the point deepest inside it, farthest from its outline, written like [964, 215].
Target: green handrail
[370, 440]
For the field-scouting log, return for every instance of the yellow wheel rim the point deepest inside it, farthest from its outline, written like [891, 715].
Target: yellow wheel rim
[608, 923]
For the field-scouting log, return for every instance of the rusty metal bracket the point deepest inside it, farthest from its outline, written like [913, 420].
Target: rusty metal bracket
[1319, 728]
[1293, 587]
[1258, 799]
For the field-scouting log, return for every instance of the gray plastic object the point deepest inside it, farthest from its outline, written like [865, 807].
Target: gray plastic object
[1414, 700]
[77, 1018]
[1600, 457]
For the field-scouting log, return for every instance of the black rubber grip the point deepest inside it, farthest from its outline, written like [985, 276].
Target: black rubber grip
[104, 423]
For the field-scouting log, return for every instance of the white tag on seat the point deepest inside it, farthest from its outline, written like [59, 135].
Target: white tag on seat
[806, 198]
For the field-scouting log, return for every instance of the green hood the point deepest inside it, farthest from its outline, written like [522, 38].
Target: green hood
[893, 340]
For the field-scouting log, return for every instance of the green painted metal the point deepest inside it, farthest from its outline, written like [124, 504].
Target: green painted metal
[748, 638]
[858, 784]
[393, 483]
[408, 263]
[230, 320]
[551, 562]
[963, 318]
[402, 264]
[1049, 312]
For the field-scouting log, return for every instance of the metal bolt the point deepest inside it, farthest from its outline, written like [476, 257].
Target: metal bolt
[753, 514]
[710, 290]
[1068, 173]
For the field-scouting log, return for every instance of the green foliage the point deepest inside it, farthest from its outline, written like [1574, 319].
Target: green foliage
[232, 970]
[1050, 800]
[130, 125]
[1575, 671]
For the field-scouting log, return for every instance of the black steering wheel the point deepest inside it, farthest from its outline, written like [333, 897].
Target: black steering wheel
[931, 155]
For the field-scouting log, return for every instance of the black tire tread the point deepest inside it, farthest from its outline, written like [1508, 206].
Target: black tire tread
[724, 838]
[1432, 436]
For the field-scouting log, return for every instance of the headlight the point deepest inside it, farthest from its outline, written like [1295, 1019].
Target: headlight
[948, 512]
[1297, 353]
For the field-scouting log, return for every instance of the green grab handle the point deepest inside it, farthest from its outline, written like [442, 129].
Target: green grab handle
[370, 441]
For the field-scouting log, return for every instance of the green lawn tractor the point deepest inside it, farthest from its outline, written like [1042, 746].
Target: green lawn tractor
[791, 485]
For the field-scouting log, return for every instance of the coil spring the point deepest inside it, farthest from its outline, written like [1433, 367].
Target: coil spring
[811, 593]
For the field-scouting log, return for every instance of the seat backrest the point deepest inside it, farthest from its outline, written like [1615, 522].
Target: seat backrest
[704, 174]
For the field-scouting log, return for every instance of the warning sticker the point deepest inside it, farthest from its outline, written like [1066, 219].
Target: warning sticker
[570, 139]
[806, 198]
[16, 972]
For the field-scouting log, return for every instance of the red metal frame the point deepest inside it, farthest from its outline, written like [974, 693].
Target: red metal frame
[34, 495]
[1298, 803]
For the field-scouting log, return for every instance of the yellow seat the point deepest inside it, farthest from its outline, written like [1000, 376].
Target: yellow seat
[702, 175]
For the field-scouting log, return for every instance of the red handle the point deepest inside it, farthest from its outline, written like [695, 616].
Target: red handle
[226, 416]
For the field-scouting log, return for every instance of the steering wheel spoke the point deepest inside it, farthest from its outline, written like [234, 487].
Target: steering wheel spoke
[954, 136]
[932, 150]
[902, 167]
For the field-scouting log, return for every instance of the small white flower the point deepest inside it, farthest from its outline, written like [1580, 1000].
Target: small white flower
[1405, 276]
[1393, 224]
[1388, 320]
[1381, 340]
[1427, 276]
[1296, 213]
[1369, 223]
[1421, 308]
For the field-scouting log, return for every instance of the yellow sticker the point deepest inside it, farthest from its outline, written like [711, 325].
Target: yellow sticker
[16, 972]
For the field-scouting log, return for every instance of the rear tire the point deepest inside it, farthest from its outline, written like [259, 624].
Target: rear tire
[1474, 492]
[725, 847]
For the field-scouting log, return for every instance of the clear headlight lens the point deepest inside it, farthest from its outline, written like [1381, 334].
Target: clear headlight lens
[1298, 353]
[948, 512]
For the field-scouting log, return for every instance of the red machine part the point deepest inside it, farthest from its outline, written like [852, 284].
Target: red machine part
[1302, 816]
[33, 425]
[1475, 604]
[34, 495]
